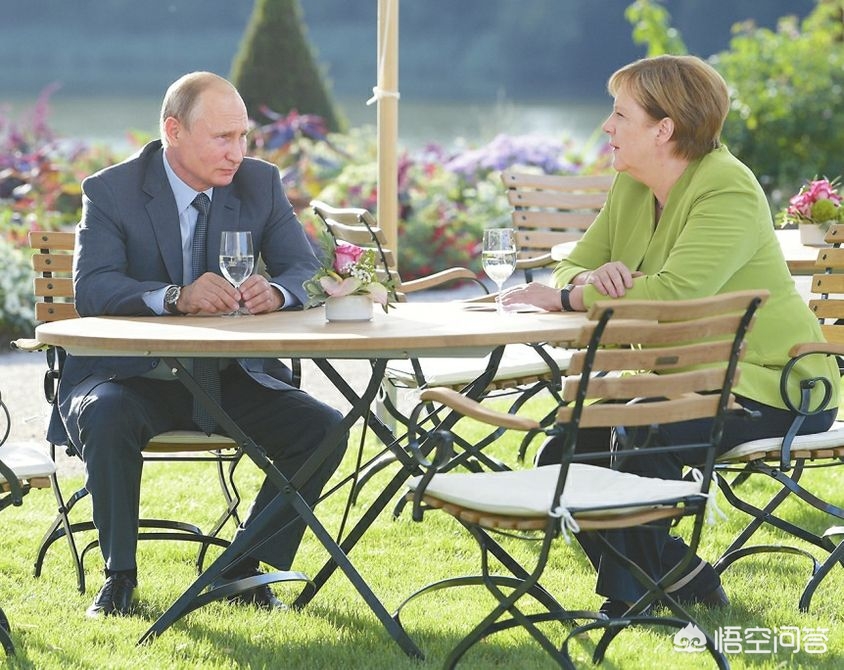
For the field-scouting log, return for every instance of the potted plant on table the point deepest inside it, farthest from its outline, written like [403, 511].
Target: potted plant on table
[815, 207]
[347, 282]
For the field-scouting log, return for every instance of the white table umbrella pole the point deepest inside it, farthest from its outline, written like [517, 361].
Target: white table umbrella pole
[386, 94]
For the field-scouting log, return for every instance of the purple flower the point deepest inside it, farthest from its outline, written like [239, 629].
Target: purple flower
[507, 150]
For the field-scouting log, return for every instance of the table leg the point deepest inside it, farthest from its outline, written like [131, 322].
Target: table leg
[193, 597]
[288, 494]
[408, 467]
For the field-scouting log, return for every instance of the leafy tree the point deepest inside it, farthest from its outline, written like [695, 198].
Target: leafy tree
[275, 66]
[652, 28]
[786, 89]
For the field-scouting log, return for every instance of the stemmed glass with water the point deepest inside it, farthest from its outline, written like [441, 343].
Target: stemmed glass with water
[499, 256]
[237, 260]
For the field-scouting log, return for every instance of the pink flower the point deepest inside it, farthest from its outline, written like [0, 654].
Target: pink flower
[821, 189]
[336, 288]
[800, 206]
[345, 256]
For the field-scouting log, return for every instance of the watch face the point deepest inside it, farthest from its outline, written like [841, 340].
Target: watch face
[171, 297]
[172, 294]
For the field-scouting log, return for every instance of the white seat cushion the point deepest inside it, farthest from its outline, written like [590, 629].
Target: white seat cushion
[518, 361]
[834, 437]
[528, 493]
[192, 438]
[26, 461]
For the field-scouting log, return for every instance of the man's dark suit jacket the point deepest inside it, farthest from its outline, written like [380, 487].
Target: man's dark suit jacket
[129, 242]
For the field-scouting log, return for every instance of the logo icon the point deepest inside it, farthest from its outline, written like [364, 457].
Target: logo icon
[690, 640]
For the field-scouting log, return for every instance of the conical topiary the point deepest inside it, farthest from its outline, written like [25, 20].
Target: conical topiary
[276, 67]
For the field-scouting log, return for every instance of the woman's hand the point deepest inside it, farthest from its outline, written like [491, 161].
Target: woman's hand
[536, 294]
[612, 279]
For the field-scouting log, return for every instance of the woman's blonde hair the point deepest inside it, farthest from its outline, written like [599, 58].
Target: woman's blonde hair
[685, 89]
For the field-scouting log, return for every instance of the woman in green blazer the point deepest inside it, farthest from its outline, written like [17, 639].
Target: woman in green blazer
[683, 219]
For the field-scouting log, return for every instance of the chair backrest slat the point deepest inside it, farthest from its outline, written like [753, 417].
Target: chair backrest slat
[652, 385]
[826, 292]
[552, 209]
[623, 331]
[53, 284]
[666, 358]
[644, 414]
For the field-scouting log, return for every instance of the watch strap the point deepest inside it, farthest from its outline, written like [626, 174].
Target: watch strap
[565, 298]
[170, 305]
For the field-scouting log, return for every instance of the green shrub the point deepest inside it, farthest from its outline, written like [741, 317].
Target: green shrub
[787, 86]
[17, 315]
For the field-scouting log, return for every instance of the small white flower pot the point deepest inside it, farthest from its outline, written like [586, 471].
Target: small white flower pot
[811, 235]
[349, 308]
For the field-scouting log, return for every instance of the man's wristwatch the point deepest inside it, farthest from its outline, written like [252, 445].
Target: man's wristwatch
[171, 299]
[565, 298]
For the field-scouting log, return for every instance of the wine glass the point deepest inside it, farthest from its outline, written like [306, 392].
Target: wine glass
[236, 260]
[499, 256]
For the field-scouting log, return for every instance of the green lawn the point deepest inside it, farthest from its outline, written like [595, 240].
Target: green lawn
[396, 556]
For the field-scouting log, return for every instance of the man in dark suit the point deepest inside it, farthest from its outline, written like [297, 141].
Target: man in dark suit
[135, 256]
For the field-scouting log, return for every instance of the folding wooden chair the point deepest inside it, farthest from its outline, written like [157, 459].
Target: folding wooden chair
[788, 459]
[549, 210]
[23, 467]
[686, 357]
[523, 371]
[54, 300]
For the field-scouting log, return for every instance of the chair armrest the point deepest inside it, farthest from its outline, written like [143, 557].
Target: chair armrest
[475, 410]
[536, 262]
[28, 344]
[807, 348]
[485, 298]
[808, 386]
[440, 278]
[442, 440]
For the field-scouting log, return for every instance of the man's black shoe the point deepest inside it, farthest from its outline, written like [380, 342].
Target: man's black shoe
[115, 597]
[261, 596]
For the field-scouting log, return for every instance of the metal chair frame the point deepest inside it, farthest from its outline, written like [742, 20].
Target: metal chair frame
[14, 486]
[657, 340]
[786, 461]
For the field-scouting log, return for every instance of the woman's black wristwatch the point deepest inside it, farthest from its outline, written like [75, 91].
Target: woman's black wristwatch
[565, 297]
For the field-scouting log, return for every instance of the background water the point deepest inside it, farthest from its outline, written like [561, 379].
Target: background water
[108, 120]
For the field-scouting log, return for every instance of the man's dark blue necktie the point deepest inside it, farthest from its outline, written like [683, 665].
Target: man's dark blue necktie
[205, 370]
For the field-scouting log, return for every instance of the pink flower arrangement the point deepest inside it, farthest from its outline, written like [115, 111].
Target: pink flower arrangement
[818, 202]
[347, 270]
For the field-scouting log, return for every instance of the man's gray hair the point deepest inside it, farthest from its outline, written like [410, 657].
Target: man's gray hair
[182, 97]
